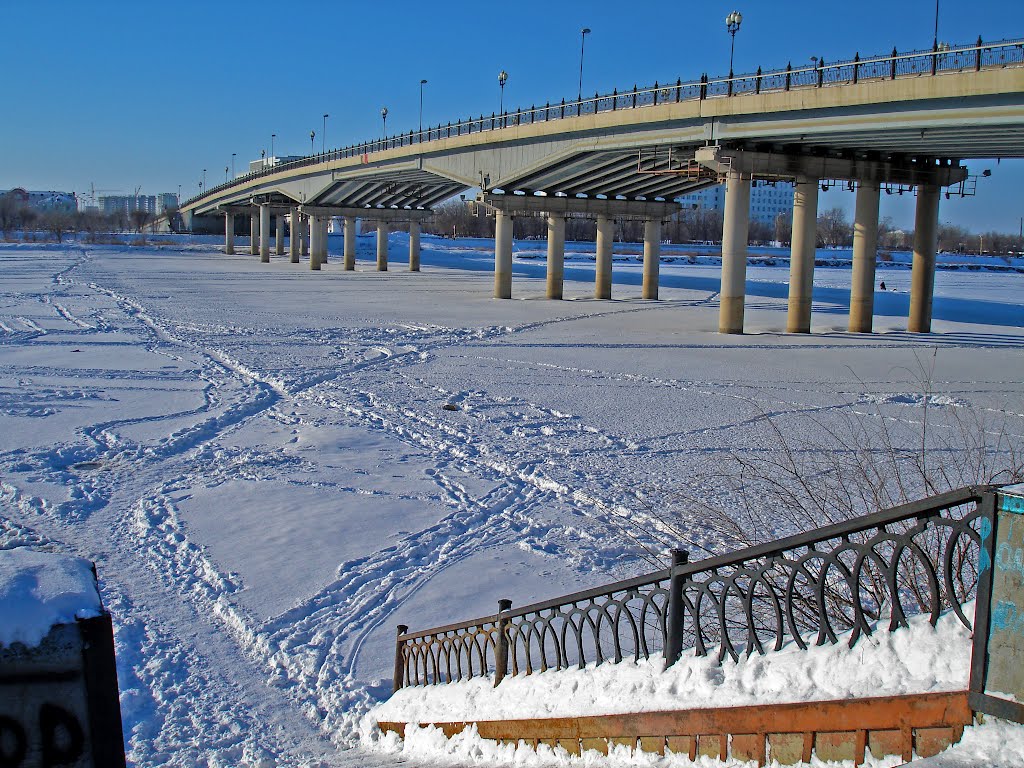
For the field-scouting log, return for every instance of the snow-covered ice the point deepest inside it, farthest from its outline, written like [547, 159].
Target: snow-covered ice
[39, 590]
[259, 459]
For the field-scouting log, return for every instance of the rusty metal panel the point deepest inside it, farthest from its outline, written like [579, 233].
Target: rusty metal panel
[748, 746]
[683, 745]
[786, 748]
[833, 730]
[653, 744]
[882, 743]
[595, 745]
[835, 746]
[931, 741]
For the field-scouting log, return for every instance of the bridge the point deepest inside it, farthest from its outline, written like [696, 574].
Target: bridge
[892, 123]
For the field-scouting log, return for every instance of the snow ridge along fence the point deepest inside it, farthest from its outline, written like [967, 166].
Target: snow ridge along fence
[919, 558]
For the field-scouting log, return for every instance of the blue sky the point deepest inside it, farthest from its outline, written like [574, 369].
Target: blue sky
[127, 94]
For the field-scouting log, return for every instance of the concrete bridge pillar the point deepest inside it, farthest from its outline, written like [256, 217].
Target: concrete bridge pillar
[922, 276]
[229, 233]
[414, 246]
[556, 255]
[254, 232]
[279, 236]
[324, 239]
[603, 276]
[652, 257]
[350, 243]
[295, 238]
[865, 242]
[801, 257]
[502, 255]
[313, 244]
[304, 233]
[735, 230]
[264, 233]
[382, 246]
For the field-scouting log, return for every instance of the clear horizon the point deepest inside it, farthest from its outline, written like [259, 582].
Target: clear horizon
[124, 96]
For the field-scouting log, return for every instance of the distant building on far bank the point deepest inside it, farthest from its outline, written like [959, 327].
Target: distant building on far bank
[154, 204]
[767, 201]
[49, 200]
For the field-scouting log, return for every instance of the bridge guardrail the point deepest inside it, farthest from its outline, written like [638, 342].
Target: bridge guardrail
[943, 60]
[918, 558]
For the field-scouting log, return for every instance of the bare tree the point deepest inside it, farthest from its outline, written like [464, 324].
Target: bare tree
[833, 228]
[58, 223]
[139, 219]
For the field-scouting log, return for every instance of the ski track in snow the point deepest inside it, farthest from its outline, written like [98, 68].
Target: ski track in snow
[173, 695]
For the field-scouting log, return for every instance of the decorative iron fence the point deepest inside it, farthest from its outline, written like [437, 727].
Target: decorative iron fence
[919, 558]
[944, 60]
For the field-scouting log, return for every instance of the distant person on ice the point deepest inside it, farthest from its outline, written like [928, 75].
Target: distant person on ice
[882, 285]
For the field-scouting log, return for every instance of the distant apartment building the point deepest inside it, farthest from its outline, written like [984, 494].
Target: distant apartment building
[165, 201]
[767, 201]
[49, 200]
[109, 204]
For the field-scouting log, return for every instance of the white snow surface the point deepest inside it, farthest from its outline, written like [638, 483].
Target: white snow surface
[258, 459]
[916, 659]
[39, 590]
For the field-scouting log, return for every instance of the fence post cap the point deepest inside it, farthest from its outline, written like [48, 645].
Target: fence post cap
[680, 557]
[504, 604]
[402, 629]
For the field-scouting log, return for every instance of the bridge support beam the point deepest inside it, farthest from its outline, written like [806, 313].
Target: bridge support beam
[801, 258]
[314, 246]
[735, 230]
[382, 246]
[865, 241]
[279, 235]
[922, 276]
[265, 233]
[603, 274]
[294, 238]
[229, 233]
[652, 257]
[556, 255]
[254, 232]
[502, 255]
[414, 246]
[350, 243]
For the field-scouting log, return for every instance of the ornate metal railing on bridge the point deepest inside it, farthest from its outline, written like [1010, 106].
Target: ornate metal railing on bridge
[919, 558]
[940, 60]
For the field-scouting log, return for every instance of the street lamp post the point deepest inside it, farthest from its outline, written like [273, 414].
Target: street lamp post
[272, 155]
[583, 39]
[502, 79]
[312, 135]
[732, 23]
[384, 119]
[225, 174]
[422, 83]
[204, 177]
[233, 164]
[323, 136]
[935, 39]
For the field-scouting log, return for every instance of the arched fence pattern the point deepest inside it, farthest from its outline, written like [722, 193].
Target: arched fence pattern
[944, 60]
[814, 588]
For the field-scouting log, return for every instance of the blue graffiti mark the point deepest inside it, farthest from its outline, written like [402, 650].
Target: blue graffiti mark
[1007, 618]
[1014, 504]
[984, 530]
[1010, 557]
